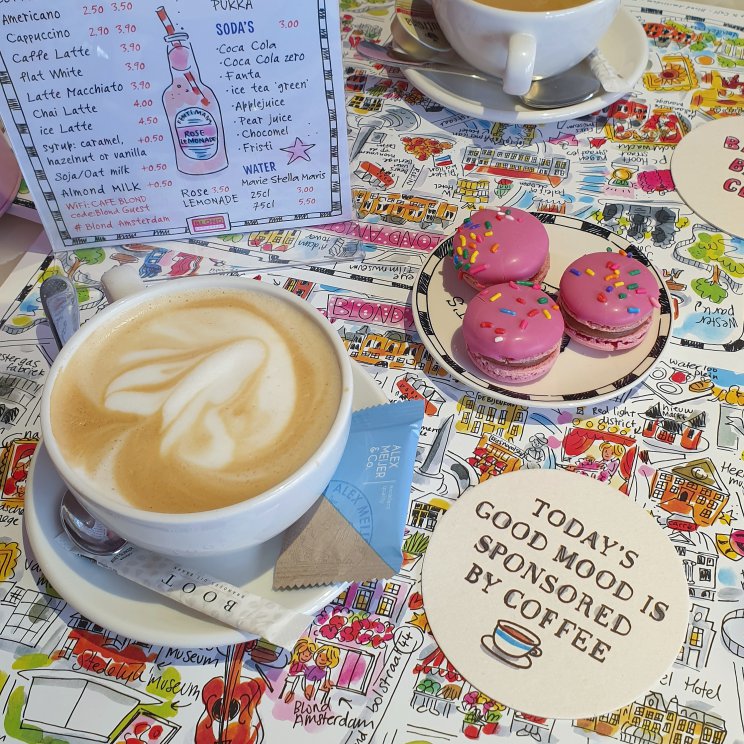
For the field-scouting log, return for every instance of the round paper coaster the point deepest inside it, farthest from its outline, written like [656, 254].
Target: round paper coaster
[708, 173]
[554, 594]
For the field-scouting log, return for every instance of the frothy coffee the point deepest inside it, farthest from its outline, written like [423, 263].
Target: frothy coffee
[197, 400]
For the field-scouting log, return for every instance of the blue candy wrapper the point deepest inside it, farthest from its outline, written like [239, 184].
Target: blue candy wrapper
[355, 532]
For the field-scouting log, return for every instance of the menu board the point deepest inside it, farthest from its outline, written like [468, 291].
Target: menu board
[135, 121]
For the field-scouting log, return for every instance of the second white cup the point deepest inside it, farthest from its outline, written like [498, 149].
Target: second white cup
[521, 45]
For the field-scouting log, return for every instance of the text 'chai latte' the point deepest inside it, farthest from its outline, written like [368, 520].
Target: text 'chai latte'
[197, 400]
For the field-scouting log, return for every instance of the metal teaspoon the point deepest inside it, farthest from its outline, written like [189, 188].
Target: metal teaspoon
[573, 86]
[59, 300]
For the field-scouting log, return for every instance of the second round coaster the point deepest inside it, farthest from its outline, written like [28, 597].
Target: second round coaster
[708, 171]
[554, 594]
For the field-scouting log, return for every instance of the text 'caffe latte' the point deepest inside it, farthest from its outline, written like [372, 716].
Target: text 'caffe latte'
[197, 400]
[535, 6]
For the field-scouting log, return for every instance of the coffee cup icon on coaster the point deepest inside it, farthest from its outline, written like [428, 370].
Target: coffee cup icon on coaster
[512, 644]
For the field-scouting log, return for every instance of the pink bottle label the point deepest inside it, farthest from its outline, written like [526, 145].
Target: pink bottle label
[197, 133]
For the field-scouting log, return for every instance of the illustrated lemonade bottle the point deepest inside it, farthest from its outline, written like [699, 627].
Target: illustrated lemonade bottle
[193, 113]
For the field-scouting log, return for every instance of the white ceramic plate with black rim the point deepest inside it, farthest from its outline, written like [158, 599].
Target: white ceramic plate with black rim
[580, 375]
[624, 46]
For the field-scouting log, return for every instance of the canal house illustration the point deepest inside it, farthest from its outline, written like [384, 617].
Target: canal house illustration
[516, 164]
[698, 639]
[386, 598]
[32, 614]
[365, 104]
[494, 456]
[694, 489]
[17, 395]
[699, 560]
[300, 287]
[632, 111]
[479, 414]
[654, 721]
[473, 191]
[402, 209]
[356, 79]
[663, 34]
[273, 240]
[392, 349]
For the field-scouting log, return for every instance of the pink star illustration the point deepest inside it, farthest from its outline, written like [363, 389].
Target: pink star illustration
[297, 151]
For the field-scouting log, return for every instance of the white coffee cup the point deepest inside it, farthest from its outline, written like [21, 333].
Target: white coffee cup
[221, 530]
[519, 46]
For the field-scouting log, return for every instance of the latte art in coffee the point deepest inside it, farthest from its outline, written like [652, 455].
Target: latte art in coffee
[198, 401]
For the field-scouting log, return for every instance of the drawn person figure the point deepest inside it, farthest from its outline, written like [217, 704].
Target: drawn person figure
[611, 454]
[669, 128]
[302, 654]
[15, 484]
[317, 677]
[538, 454]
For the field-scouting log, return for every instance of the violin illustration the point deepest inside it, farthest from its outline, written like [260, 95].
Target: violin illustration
[230, 704]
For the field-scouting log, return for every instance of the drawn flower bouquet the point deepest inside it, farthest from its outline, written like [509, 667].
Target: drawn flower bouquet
[414, 546]
[358, 628]
[481, 714]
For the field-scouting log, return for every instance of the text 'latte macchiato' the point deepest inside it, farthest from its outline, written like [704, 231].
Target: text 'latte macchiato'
[197, 400]
[535, 6]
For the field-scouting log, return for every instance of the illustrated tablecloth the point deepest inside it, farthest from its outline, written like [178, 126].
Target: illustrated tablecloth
[65, 679]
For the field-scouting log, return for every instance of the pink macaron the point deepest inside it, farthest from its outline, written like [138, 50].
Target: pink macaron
[500, 245]
[513, 332]
[608, 300]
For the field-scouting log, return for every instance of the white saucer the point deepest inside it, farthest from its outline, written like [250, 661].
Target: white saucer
[135, 612]
[624, 46]
[581, 375]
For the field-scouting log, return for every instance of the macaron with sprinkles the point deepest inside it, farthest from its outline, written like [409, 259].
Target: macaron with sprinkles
[499, 245]
[608, 300]
[513, 331]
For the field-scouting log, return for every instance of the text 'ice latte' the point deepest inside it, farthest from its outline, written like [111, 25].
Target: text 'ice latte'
[197, 400]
